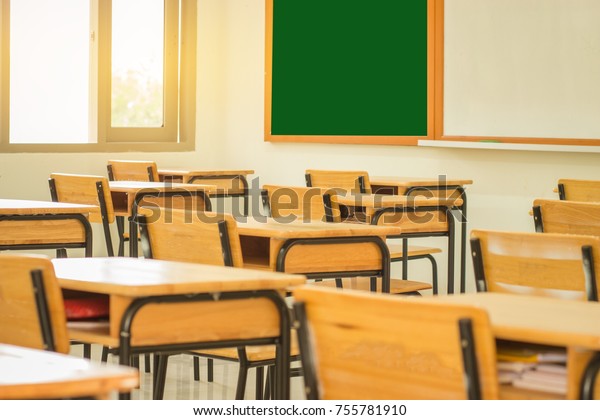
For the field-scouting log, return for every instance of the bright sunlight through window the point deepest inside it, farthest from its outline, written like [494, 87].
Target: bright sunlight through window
[49, 71]
[137, 63]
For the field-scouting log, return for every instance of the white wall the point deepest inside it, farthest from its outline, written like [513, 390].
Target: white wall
[230, 135]
[505, 182]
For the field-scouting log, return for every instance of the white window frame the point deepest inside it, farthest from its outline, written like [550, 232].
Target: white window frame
[178, 131]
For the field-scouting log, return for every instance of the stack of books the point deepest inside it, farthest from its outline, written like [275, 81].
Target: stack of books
[540, 369]
[545, 377]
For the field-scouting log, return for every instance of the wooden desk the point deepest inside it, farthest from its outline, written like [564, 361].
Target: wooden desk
[542, 320]
[26, 224]
[372, 207]
[413, 185]
[399, 185]
[317, 249]
[164, 306]
[36, 374]
[229, 183]
[126, 196]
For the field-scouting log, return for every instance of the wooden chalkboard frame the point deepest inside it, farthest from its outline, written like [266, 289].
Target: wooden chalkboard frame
[487, 141]
[433, 37]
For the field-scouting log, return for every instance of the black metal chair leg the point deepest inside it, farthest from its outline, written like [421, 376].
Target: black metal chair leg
[373, 284]
[434, 273]
[87, 351]
[267, 390]
[271, 383]
[242, 374]
[196, 368]
[121, 232]
[160, 376]
[260, 379]
[104, 357]
[209, 371]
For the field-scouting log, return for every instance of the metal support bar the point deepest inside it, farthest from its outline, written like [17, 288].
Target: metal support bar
[308, 180]
[225, 245]
[467, 342]
[588, 380]
[478, 265]
[537, 219]
[105, 222]
[306, 352]
[41, 303]
[589, 273]
[561, 192]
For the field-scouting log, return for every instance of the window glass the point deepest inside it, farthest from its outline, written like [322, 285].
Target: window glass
[137, 97]
[49, 71]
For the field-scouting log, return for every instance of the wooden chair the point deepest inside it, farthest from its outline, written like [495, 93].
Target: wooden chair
[205, 238]
[579, 190]
[32, 315]
[349, 181]
[555, 265]
[393, 349]
[318, 204]
[358, 182]
[132, 170]
[91, 190]
[32, 312]
[572, 217]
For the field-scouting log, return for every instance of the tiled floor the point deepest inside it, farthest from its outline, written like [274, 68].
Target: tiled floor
[181, 385]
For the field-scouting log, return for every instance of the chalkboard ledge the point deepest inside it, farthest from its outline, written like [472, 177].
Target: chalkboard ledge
[508, 146]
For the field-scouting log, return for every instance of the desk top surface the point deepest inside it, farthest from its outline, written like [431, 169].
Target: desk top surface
[273, 228]
[29, 207]
[536, 319]
[146, 277]
[136, 186]
[205, 172]
[384, 200]
[405, 181]
[38, 374]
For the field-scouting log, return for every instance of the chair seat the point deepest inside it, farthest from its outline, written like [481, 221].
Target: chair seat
[253, 353]
[364, 284]
[92, 332]
[397, 251]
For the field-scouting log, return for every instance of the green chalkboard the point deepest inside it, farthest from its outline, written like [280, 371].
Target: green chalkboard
[348, 68]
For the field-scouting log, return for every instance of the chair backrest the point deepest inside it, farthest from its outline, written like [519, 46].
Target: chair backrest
[32, 312]
[573, 217]
[416, 220]
[579, 190]
[369, 347]
[350, 181]
[190, 236]
[544, 264]
[84, 189]
[176, 198]
[132, 170]
[302, 203]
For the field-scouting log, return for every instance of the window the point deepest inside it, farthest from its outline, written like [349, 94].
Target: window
[105, 75]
